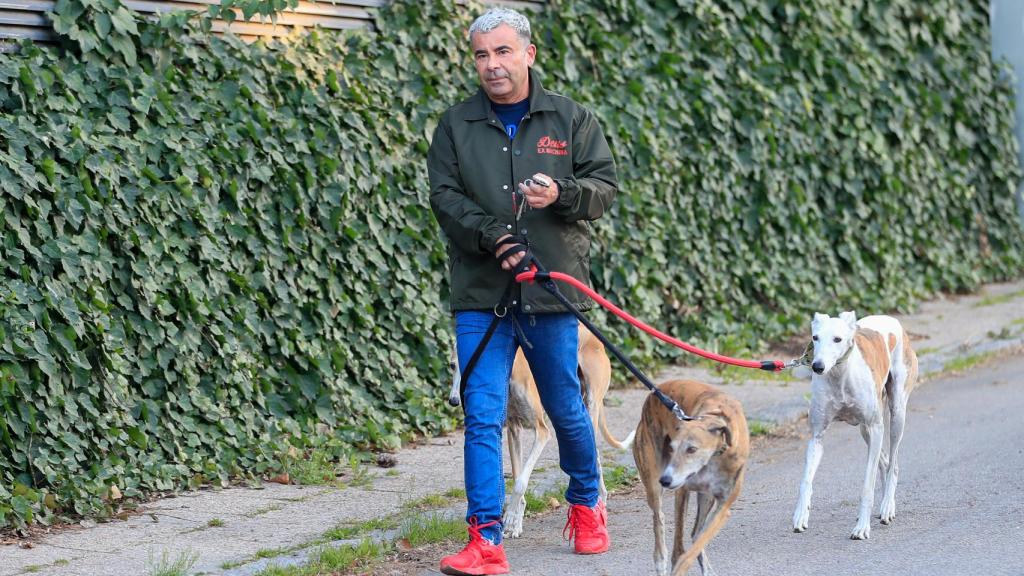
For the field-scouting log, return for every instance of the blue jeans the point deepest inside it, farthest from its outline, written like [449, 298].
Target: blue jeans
[552, 360]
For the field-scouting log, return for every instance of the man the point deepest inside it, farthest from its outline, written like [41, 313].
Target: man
[483, 150]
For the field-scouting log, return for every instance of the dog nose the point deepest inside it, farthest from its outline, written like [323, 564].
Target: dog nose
[666, 480]
[818, 366]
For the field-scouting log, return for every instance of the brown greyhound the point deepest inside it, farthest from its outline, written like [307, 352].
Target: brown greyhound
[707, 455]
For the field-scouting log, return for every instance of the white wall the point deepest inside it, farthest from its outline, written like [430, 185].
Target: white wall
[1007, 19]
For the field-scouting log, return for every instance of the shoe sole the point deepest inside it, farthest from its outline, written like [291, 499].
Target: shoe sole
[591, 552]
[456, 572]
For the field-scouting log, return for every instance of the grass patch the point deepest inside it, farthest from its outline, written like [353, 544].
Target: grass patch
[426, 502]
[331, 560]
[536, 504]
[215, 523]
[926, 350]
[432, 528]
[417, 528]
[391, 473]
[993, 300]
[360, 529]
[455, 493]
[180, 565]
[33, 568]
[967, 362]
[1017, 322]
[320, 466]
[315, 468]
[267, 553]
[760, 428]
[1003, 334]
[264, 510]
[620, 476]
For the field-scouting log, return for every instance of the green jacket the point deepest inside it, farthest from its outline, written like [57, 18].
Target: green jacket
[473, 170]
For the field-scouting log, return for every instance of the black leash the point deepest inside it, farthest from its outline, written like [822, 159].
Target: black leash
[503, 305]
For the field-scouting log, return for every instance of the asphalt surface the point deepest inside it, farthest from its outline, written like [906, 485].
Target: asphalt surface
[960, 502]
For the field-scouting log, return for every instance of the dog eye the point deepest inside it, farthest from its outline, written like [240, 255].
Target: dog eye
[691, 449]
[815, 337]
[837, 339]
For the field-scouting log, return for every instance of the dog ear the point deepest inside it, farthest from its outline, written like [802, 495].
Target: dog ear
[719, 424]
[819, 318]
[850, 318]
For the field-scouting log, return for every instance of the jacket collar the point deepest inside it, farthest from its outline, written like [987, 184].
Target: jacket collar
[481, 104]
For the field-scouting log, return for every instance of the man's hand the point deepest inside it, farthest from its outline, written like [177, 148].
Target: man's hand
[512, 260]
[538, 196]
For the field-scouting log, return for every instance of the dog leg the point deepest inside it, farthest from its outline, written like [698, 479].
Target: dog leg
[649, 470]
[803, 503]
[454, 396]
[678, 544]
[516, 509]
[883, 458]
[711, 527]
[897, 421]
[595, 417]
[705, 502]
[661, 560]
[862, 531]
[512, 519]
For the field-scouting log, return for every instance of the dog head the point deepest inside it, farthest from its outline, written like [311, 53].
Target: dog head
[688, 447]
[832, 338]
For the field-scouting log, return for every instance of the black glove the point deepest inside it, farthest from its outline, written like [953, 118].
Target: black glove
[516, 245]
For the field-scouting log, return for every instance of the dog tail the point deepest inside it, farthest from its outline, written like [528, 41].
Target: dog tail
[625, 444]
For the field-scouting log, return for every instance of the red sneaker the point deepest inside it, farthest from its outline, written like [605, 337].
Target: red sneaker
[478, 558]
[589, 527]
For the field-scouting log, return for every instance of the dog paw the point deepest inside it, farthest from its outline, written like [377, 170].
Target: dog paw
[861, 533]
[513, 527]
[800, 521]
[887, 512]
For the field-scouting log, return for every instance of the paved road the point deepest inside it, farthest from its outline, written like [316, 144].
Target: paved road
[960, 501]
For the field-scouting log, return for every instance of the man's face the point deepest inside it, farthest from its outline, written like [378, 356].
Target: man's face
[503, 61]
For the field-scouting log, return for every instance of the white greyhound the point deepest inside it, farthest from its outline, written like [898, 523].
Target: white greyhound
[863, 375]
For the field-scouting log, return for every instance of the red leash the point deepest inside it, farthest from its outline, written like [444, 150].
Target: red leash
[773, 365]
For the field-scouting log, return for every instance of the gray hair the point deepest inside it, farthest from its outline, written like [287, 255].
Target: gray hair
[496, 17]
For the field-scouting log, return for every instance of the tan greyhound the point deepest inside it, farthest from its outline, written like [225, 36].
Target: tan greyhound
[707, 455]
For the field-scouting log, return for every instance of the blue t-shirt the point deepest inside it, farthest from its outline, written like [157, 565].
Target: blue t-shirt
[511, 114]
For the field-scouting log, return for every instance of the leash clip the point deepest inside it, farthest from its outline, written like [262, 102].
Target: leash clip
[679, 414]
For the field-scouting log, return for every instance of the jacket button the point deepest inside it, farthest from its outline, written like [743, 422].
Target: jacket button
[504, 148]
[518, 152]
[508, 226]
[505, 187]
[524, 231]
[527, 307]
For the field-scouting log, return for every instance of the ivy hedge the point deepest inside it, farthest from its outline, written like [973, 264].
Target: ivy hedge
[213, 253]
